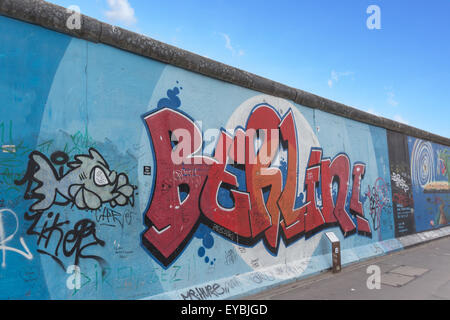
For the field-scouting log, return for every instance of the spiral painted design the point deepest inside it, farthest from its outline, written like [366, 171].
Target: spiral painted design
[423, 170]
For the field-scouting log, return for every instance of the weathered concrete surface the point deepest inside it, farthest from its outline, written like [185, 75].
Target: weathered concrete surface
[350, 284]
[54, 17]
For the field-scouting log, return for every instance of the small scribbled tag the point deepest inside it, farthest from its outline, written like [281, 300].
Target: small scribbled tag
[9, 149]
[147, 171]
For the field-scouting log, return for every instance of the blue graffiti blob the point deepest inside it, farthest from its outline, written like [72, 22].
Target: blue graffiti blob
[284, 169]
[204, 233]
[208, 241]
[299, 201]
[172, 101]
[201, 252]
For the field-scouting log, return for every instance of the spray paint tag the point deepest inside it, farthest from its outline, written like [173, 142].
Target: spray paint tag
[147, 171]
[9, 149]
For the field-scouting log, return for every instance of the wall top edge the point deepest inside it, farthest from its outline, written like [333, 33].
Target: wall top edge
[54, 17]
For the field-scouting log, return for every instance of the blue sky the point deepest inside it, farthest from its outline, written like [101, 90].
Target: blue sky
[401, 71]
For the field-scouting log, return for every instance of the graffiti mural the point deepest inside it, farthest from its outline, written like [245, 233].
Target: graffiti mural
[378, 196]
[402, 193]
[430, 183]
[8, 235]
[266, 208]
[70, 243]
[88, 184]
[122, 177]
[444, 163]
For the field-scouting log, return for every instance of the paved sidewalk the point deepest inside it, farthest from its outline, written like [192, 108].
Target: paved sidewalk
[421, 272]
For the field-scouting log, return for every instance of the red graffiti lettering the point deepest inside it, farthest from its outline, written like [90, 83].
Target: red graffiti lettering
[170, 219]
[355, 203]
[188, 185]
[265, 216]
[236, 219]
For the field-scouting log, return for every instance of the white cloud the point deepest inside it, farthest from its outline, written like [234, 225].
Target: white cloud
[230, 47]
[391, 97]
[399, 118]
[228, 42]
[121, 10]
[336, 75]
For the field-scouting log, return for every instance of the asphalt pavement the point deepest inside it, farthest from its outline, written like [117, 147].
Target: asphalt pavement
[420, 272]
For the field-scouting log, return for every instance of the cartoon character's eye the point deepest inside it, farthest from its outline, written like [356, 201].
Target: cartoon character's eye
[100, 178]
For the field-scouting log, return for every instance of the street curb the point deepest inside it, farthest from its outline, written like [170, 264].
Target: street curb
[424, 237]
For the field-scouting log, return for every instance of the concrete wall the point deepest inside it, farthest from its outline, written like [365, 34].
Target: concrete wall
[94, 205]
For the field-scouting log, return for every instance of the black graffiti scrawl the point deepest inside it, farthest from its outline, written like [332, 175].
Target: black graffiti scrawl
[402, 198]
[88, 184]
